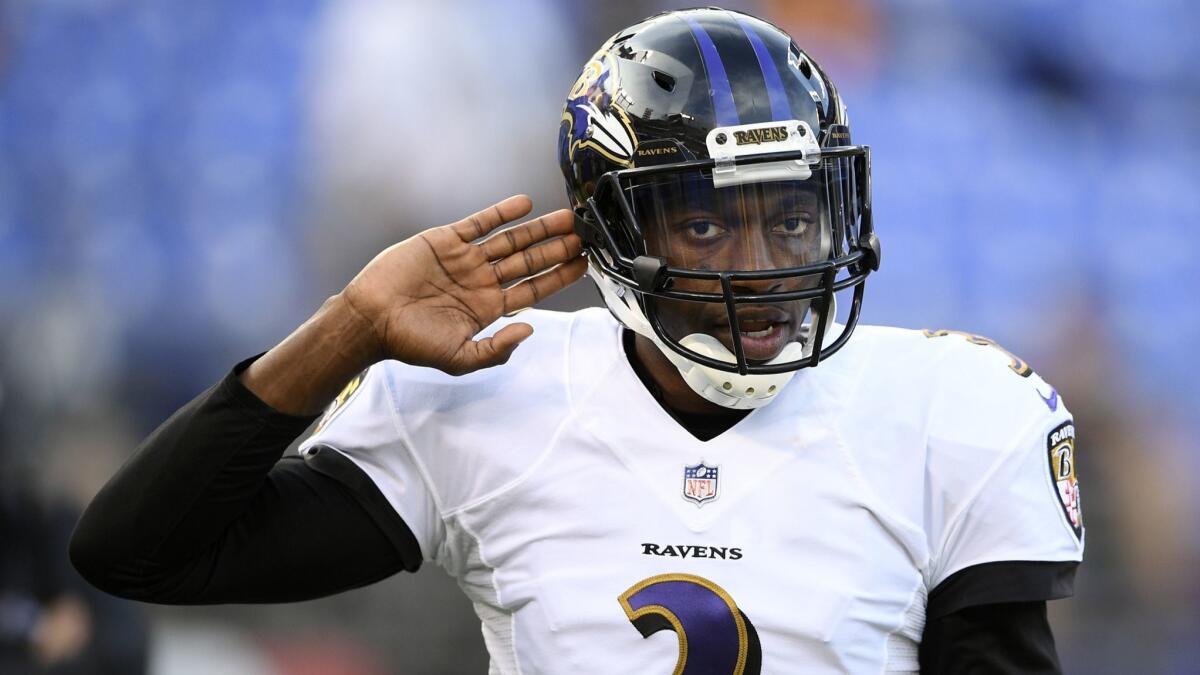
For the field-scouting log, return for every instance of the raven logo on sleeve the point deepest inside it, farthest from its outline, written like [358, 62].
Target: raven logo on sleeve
[1061, 446]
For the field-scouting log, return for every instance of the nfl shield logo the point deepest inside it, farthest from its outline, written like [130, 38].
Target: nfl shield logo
[700, 483]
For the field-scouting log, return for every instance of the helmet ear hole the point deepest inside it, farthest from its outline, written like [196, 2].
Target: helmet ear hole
[664, 81]
[805, 68]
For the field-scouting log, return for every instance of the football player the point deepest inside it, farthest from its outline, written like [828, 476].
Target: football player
[707, 476]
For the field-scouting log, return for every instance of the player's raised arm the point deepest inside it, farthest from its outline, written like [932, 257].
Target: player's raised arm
[205, 511]
[422, 301]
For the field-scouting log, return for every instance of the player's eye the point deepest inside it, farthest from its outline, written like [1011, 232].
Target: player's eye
[794, 225]
[703, 230]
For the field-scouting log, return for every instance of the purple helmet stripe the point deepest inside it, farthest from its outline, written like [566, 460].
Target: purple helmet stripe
[722, 93]
[775, 92]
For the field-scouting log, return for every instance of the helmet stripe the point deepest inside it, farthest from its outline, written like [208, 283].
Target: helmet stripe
[722, 93]
[780, 110]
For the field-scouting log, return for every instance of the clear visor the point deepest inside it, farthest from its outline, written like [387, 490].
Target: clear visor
[771, 225]
[779, 225]
[768, 226]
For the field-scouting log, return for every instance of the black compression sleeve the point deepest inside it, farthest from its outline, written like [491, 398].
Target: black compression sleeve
[206, 512]
[1011, 638]
[991, 618]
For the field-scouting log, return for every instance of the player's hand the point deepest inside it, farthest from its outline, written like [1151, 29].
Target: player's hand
[428, 296]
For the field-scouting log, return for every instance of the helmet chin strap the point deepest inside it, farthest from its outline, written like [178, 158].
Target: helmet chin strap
[731, 390]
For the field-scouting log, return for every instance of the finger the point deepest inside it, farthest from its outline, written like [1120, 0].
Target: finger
[538, 288]
[479, 224]
[538, 258]
[494, 350]
[509, 241]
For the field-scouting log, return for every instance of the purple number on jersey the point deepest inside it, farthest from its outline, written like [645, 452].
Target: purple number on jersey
[715, 637]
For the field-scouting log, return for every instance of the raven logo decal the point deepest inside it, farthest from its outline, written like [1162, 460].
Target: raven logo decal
[594, 122]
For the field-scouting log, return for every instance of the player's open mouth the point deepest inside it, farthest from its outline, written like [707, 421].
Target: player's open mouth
[763, 340]
[759, 333]
[764, 334]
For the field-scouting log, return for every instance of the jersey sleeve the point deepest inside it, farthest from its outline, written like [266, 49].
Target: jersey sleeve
[435, 444]
[1025, 508]
[363, 424]
[1003, 486]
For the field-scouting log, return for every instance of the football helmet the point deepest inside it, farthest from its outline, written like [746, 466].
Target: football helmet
[720, 202]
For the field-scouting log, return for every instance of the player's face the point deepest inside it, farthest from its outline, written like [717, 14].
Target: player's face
[753, 227]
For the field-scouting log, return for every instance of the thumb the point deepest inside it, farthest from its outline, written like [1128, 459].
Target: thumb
[496, 350]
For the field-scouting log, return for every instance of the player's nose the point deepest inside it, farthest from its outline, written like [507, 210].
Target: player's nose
[757, 286]
[754, 253]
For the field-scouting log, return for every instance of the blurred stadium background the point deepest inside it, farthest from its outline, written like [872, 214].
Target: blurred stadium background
[181, 183]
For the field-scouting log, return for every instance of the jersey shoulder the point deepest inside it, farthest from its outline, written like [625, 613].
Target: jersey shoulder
[956, 384]
[940, 420]
[466, 436]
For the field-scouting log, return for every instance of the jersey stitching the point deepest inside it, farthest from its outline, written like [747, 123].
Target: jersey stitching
[512, 621]
[567, 362]
[858, 380]
[876, 505]
[916, 594]
[409, 447]
[495, 586]
[935, 550]
[870, 497]
[545, 452]
[457, 512]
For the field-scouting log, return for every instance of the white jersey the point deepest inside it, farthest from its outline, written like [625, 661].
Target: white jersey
[595, 535]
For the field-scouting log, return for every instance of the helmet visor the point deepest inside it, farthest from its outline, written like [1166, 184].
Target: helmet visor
[763, 226]
[794, 227]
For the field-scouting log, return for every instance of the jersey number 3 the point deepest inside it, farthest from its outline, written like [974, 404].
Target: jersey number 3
[715, 638]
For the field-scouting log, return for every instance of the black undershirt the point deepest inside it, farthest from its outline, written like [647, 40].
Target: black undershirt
[205, 512]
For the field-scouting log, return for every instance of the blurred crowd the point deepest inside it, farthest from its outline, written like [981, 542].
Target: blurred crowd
[183, 183]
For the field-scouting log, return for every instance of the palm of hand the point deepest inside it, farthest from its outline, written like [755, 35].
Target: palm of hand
[428, 296]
